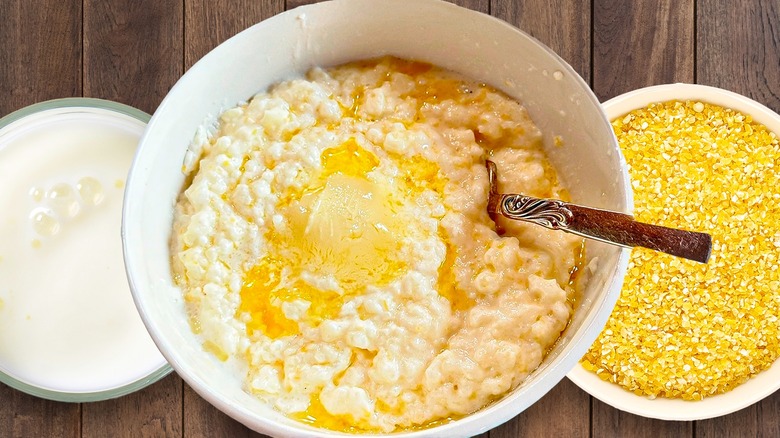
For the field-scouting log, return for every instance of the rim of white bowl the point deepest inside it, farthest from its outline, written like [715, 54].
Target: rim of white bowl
[109, 109]
[759, 386]
[501, 411]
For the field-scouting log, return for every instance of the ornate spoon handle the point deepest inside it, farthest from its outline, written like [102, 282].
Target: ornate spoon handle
[606, 226]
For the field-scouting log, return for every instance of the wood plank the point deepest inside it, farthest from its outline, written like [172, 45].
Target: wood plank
[477, 5]
[133, 53]
[610, 422]
[155, 411]
[133, 50]
[563, 412]
[642, 43]
[562, 25]
[637, 44]
[768, 416]
[738, 48]
[41, 52]
[203, 420]
[209, 23]
[23, 415]
[41, 60]
[739, 424]
[760, 419]
[291, 4]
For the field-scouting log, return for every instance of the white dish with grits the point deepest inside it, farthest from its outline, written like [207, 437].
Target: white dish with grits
[334, 246]
[69, 330]
[293, 186]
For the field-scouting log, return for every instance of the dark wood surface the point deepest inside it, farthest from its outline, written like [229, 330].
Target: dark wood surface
[133, 51]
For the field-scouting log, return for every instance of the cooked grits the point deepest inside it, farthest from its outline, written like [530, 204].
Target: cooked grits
[334, 246]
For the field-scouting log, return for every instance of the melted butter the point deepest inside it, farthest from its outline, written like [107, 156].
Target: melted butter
[437, 90]
[575, 272]
[348, 230]
[265, 290]
[418, 174]
[348, 159]
[405, 66]
[316, 415]
[343, 228]
[215, 349]
[357, 97]
[448, 285]
[430, 88]
[433, 423]
[409, 67]
[260, 296]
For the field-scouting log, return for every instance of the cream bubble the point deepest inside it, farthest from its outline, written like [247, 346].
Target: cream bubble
[37, 193]
[44, 223]
[90, 190]
[62, 199]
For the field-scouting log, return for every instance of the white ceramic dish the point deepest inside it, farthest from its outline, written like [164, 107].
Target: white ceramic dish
[757, 388]
[68, 328]
[331, 33]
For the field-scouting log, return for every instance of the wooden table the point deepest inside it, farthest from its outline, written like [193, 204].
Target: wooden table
[133, 51]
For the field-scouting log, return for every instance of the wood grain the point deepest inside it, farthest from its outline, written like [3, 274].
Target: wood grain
[641, 43]
[23, 415]
[155, 411]
[40, 59]
[40, 54]
[132, 50]
[736, 425]
[562, 25]
[477, 5]
[133, 54]
[768, 416]
[610, 422]
[203, 420]
[637, 44]
[563, 412]
[208, 23]
[738, 48]
[758, 420]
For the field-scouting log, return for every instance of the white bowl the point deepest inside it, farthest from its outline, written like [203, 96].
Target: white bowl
[87, 342]
[327, 34]
[755, 389]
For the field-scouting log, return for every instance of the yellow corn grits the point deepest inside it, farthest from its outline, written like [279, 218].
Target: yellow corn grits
[682, 329]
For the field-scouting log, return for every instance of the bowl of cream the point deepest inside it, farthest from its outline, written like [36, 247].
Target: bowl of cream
[68, 328]
[295, 210]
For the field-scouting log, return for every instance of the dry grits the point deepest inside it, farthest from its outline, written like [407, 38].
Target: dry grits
[334, 246]
[682, 329]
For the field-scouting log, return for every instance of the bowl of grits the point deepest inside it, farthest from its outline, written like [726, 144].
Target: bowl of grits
[305, 226]
[709, 332]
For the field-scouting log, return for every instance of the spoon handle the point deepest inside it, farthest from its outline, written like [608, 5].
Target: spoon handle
[606, 226]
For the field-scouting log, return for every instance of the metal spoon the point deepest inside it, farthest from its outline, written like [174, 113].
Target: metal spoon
[602, 225]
